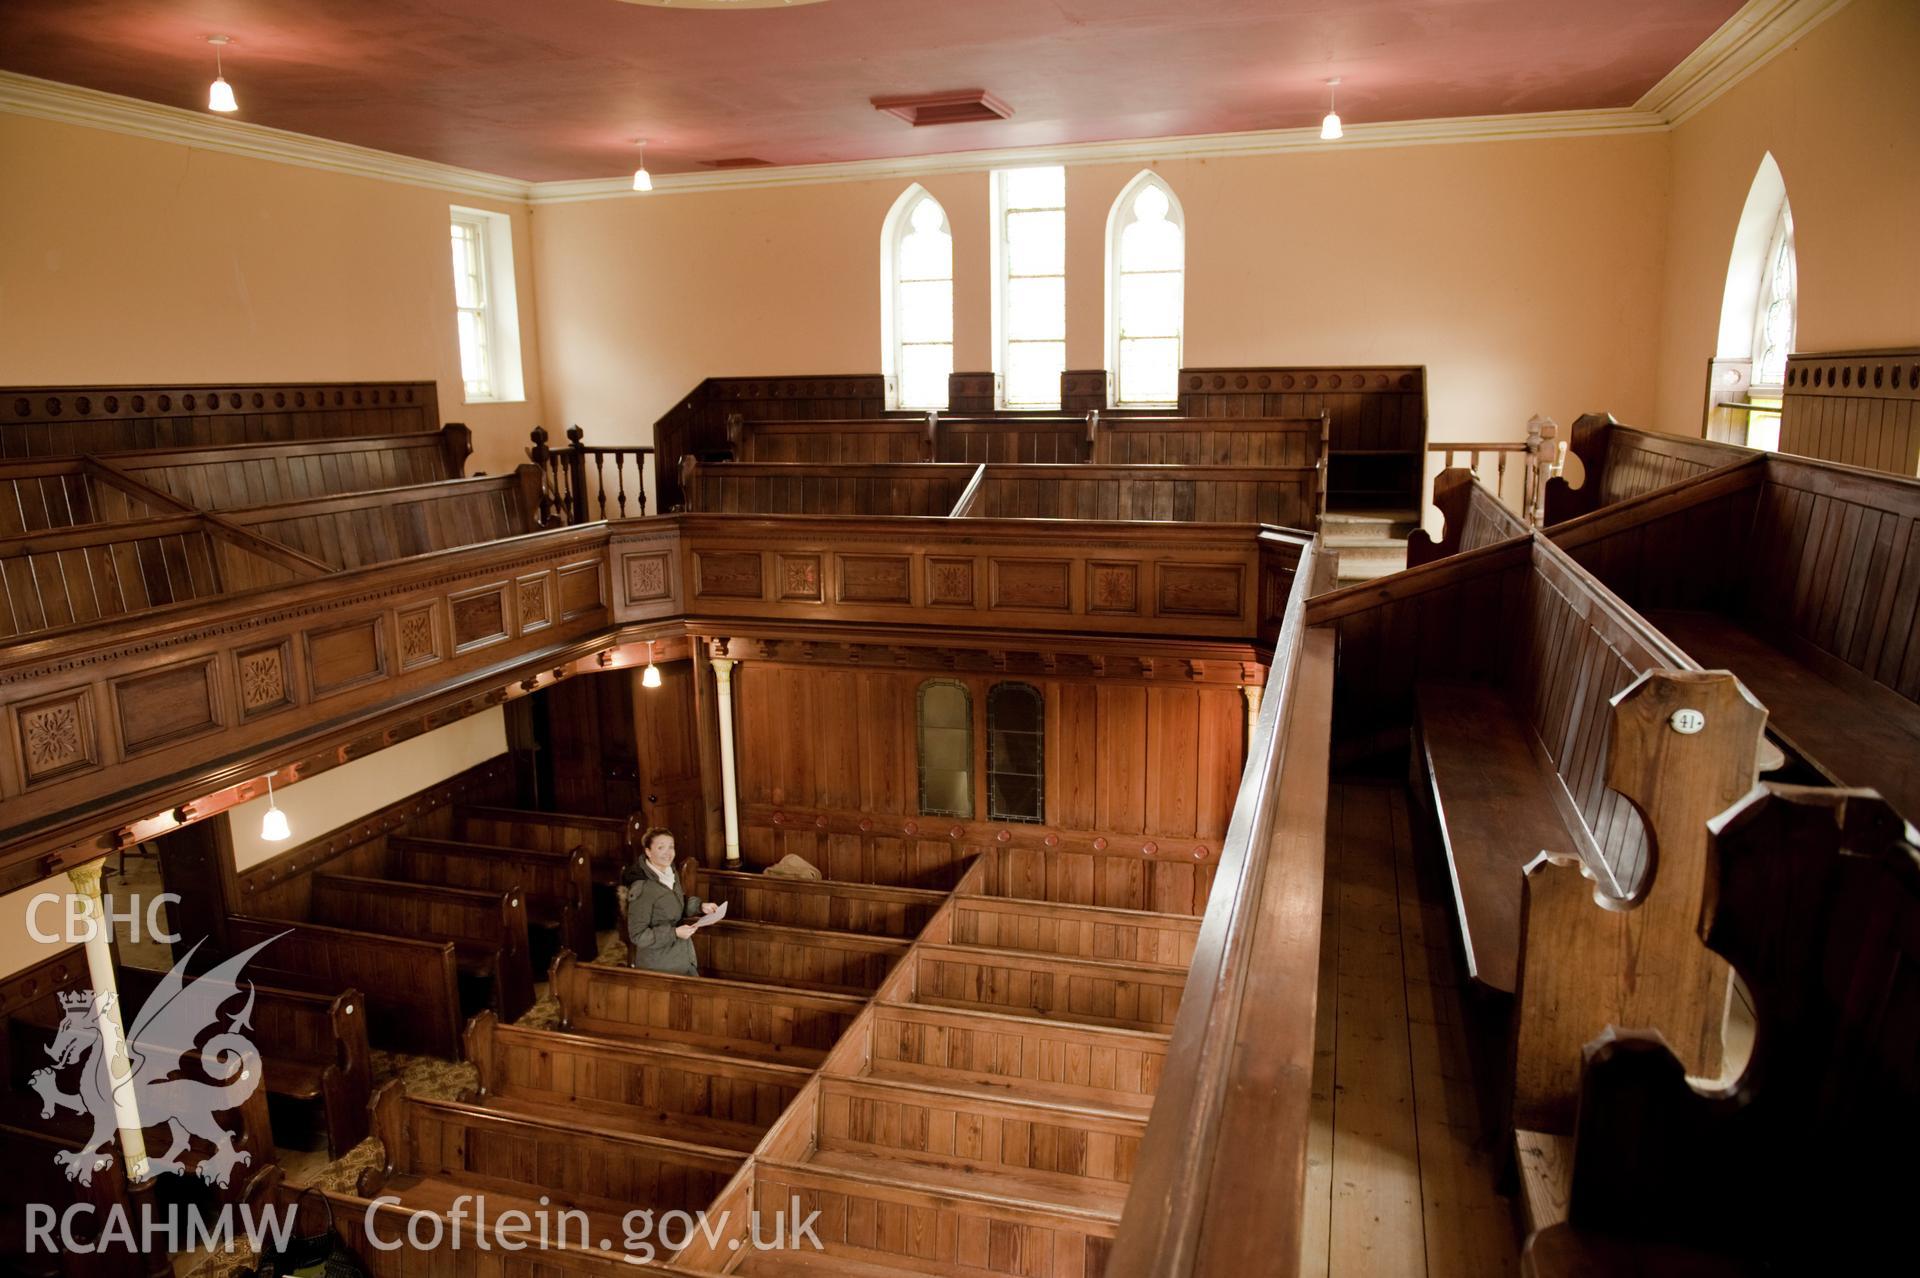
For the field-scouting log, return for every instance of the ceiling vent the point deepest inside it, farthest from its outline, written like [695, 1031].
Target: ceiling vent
[969, 106]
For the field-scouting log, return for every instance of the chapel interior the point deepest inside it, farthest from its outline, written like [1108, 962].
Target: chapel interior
[1290, 633]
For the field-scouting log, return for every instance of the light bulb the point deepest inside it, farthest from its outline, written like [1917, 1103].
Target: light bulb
[274, 827]
[1330, 128]
[642, 180]
[220, 96]
[650, 677]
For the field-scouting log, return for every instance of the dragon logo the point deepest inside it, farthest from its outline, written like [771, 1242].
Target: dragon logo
[159, 1043]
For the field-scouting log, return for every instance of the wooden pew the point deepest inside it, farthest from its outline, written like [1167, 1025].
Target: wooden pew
[869, 1220]
[239, 476]
[41, 496]
[438, 1151]
[411, 985]
[1622, 461]
[488, 929]
[1473, 516]
[832, 442]
[357, 529]
[823, 905]
[603, 838]
[1076, 931]
[1802, 578]
[558, 885]
[757, 1022]
[1085, 991]
[1861, 408]
[34, 1178]
[1003, 1055]
[89, 574]
[1817, 906]
[1286, 496]
[1209, 441]
[313, 1049]
[1011, 439]
[798, 958]
[668, 1090]
[837, 488]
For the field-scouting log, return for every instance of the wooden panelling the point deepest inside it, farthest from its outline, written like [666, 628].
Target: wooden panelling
[1474, 517]
[558, 885]
[679, 1093]
[760, 1022]
[488, 929]
[1857, 407]
[834, 443]
[1125, 936]
[604, 839]
[839, 907]
[239, 476]
[1621, 462]
[359, 529]
[1187, 494]
[40, 496]
[867, 1219]
[1084, 991]
[1209, 441]
[796, 957]
[698, 423]
[1012, 438]
[833, 489]
[1017, 1056]
[70, 421]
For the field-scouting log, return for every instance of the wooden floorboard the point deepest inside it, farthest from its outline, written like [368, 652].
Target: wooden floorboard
[1402, 1163]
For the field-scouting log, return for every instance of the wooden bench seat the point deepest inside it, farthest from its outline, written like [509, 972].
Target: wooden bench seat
[1086, 991]
[558, 885]
[603, 838]
[795, 957]
[1077, 931]
[1851, 729]
[1493, 797]
[825, 904]
[488, 929]
[411, 985]
[1000, 1055]
[658, 1089]
[737, 1018]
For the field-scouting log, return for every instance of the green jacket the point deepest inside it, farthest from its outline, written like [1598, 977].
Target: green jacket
[653, 911]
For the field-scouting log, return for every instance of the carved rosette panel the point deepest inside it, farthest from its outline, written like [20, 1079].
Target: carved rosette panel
[950, 582]
[419, 638]
[536, 609]
[56, 736]
[646, 577]
[1113, 587]
[799, 577]
[264, 682]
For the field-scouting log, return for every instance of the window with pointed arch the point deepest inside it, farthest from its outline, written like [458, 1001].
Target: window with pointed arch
[916, 300]
[1016, 754]
[946, 748]
[1775, 314]
[1146, 293]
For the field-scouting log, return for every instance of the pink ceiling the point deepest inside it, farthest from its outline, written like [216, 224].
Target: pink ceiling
[546, 89]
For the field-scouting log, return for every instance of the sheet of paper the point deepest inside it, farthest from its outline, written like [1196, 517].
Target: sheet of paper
[707, 919]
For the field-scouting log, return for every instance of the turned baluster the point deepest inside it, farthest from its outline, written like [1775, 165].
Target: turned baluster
[542, 458]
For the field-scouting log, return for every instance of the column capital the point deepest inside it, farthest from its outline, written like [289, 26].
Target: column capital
[86, 878]
[723, 670]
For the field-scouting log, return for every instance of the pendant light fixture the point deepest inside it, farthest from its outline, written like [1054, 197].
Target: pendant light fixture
[220, 94]
[650, 677]
[642, 180]
[273, 826]
[1330, 130]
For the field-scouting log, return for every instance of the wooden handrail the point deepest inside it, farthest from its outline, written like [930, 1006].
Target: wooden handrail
[1544, 458]
[565, 474]
[970, 495]
[1217, 1188]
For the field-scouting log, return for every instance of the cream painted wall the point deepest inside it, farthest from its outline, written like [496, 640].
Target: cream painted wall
[125, 260]
[1838, 110]
[342, 795]
[18, 949]
[1482, 261]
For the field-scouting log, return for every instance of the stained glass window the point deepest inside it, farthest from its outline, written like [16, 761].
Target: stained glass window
[946, 749]
[1016, 754]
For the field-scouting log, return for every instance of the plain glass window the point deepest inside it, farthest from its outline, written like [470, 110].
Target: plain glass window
[1016, 753]
[917, 300]
[1146, 293]
[1030, 281]
[486, 310]
[946, 749]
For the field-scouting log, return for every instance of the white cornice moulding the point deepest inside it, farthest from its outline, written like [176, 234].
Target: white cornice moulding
[71, 104]
[1482, 128]
[1744, 43]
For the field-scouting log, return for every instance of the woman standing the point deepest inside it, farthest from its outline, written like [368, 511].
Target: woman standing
[658, 911]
